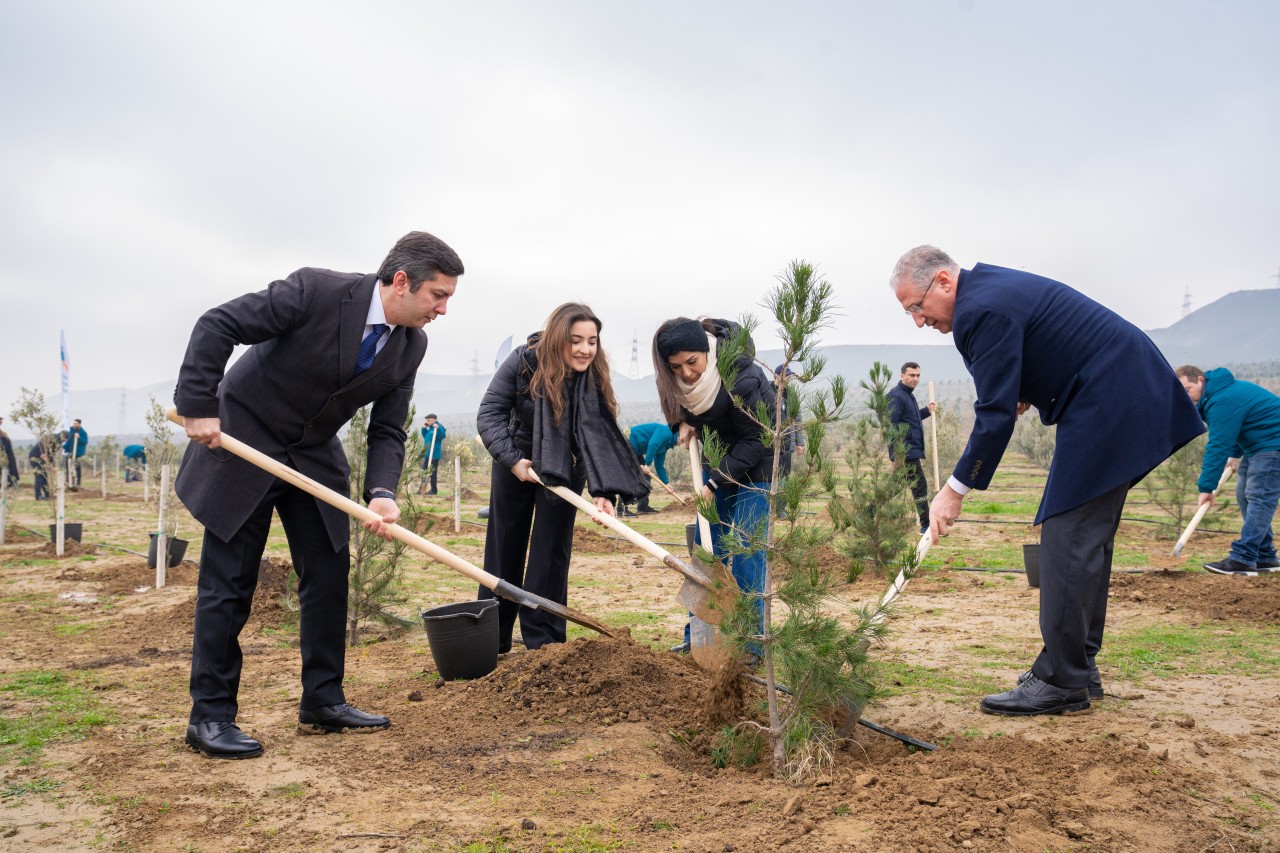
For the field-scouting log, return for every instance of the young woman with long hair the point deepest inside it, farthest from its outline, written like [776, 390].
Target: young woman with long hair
[551, 409]
[693, 395]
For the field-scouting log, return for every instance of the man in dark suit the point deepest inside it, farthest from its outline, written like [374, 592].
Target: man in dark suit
[322, 345]
[1119, 410]
[906, 413]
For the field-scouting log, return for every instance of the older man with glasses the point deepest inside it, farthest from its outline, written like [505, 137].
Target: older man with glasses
[1119, 410]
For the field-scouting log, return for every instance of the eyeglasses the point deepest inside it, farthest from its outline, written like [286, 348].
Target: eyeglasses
[917, 307]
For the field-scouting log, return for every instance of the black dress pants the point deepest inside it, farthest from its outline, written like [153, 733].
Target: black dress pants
[1076, 548]
[528, 517]
[228, 577]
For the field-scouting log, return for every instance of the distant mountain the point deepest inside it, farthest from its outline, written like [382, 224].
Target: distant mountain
[1240, 328]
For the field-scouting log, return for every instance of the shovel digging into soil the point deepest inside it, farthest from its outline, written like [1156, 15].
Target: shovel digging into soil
[707, 591]
[499, 587]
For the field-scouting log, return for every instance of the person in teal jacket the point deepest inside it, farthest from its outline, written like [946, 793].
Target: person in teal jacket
[433, 433]
[650, 443]
[1244, 423]
[76, 442]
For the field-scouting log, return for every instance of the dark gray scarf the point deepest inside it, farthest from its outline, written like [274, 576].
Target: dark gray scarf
[592, 431]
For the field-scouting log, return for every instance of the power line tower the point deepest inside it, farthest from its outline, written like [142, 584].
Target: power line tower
[124, 405]
[634, 371]
[475, 364]
[1186, 302]
[1277, 278]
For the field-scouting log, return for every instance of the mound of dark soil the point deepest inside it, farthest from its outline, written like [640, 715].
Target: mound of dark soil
[1211, 596]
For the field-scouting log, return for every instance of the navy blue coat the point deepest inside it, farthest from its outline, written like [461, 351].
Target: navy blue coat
[904, 410]
[1119, 409]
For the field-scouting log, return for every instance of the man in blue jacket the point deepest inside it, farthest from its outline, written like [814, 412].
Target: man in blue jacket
[1030, 341]
[1244, 423]
[650, 443]
[433, 433]
[74, 446]
[903, 412]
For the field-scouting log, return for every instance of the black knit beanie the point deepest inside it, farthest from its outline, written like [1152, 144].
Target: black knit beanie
[684, 335]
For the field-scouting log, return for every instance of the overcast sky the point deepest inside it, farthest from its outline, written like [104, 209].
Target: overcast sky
[650, 158]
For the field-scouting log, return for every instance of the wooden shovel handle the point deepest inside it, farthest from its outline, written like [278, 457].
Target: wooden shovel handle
[695, 469]
[639, 540]
[670, 490]
[350, 507]
[900, 583]
[1200, 513]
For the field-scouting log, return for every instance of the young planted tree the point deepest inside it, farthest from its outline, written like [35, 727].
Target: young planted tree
[876, 513]
[162, 449]
[104, 452]
[31, 412]
[815, 663]
[377, 565]
[1172, 486]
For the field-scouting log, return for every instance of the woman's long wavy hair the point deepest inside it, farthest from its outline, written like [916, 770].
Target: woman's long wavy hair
[668, 396]
[548, 380]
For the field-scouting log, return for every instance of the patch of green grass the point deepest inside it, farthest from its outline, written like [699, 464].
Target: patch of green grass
[463, 540]
[71, 629]
[621, 618]
[42, 707]
[1158, 651]
[589, 838]
[36, 786]
[894, 678]
[291, 790]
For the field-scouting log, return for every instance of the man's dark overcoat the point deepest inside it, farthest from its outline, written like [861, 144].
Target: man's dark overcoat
[1119, 409]
[291, 392]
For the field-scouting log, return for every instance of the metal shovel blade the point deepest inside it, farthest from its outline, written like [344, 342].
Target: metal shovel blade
[511, 592]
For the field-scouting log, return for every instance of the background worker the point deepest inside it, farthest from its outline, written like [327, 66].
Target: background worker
[433, 433]
[135, 461]
[1031, 341]
[74, 446]
[40, 471]
[10, 461]
[1244, 422]
[650, 443]
[905, 413]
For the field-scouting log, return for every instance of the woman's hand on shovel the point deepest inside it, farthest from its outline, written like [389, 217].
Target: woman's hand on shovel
[605, 506]
[390, 512]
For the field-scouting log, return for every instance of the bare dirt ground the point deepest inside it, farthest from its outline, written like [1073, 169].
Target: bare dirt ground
[603, 744]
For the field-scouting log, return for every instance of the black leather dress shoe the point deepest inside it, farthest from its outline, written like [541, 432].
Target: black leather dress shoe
[336, 718]
[1095, 683]
[1232, 567]
[1033, 697]
[222, 740]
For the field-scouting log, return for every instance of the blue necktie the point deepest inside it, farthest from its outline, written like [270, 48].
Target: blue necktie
[368, 349]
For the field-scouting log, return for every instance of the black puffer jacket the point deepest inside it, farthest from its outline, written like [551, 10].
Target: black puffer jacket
[505, 418]
[748, 460]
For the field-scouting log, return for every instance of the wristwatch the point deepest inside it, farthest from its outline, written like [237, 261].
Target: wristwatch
[374, 494]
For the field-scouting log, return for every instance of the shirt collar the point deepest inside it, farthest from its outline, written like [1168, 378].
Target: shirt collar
[376, 312]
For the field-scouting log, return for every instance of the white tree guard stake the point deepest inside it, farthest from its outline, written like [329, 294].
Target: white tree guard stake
[457, 494]
[499, 587]
[1204, 508]
[4, 501]
[162, 541]
[104, 482]
[933, 428]
[60, 532]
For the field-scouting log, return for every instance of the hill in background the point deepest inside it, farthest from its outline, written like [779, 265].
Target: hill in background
[1238, 329]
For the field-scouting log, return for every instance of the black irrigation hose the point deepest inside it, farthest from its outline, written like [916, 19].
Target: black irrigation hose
[1122, 518]
[906, 739]
[100, 545]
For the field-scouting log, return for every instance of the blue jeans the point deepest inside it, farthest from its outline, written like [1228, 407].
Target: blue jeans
[743, 507]
[1257, 489]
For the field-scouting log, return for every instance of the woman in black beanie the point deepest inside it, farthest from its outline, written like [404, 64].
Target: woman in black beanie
[694, 396]
[550, 409]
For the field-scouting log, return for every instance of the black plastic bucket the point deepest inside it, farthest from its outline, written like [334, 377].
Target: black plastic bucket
[177, 549]
[1031, 561]
[463, 638]
[72, 530]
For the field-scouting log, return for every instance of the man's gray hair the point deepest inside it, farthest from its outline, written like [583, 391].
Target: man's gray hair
[918, 267]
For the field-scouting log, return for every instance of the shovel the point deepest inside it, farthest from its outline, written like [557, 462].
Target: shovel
[670, 490]
[499, 587]
[1195, 519]
[704, 639]
[706, 596]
